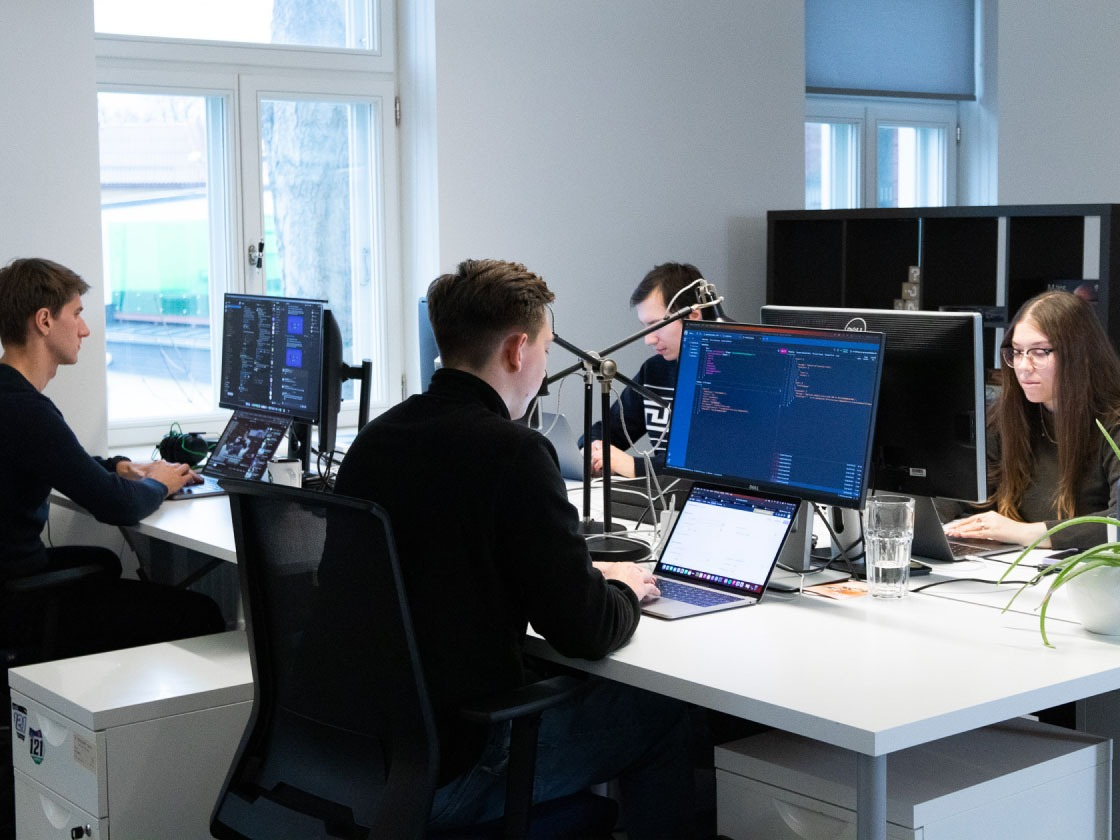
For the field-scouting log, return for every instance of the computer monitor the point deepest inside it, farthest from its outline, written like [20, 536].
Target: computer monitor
[426, 341]
[929, 436]
[779, 409]
[272, 355]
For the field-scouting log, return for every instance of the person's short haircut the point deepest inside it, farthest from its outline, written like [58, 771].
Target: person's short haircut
[473, 309]
[28, 285]
[669, 278]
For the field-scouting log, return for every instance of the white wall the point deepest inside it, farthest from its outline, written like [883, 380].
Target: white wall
[594, 140]
[1059, 109]
[49, 177]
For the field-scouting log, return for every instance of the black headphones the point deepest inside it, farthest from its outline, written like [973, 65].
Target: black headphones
[183, 447]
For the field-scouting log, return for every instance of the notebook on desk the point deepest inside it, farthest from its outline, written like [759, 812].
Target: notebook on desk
[250, 440]
[721, 551]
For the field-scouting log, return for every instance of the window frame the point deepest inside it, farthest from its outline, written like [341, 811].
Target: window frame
[134, 64]
[869, 113]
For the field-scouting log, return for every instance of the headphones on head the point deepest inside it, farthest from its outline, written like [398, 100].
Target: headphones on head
[183, 447]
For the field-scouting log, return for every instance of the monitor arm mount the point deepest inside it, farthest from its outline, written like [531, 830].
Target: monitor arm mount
[597, 367]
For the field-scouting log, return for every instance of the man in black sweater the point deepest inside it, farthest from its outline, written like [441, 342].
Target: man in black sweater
[41, 328]
[489, 543]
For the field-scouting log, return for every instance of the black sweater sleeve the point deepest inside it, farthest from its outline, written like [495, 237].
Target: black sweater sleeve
[567, 600]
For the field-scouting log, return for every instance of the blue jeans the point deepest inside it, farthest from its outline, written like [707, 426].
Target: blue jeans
[609, 731]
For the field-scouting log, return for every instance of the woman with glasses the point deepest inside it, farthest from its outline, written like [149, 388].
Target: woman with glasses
[1047, 460]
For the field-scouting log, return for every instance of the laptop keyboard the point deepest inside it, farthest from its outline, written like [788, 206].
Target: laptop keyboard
[692, 595]
[961, 550]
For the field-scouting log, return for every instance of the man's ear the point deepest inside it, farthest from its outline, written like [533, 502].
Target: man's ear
[41, 320]
[512, 348]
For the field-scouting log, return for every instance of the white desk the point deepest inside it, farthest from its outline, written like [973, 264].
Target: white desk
[870, 676]
[203, 525]
[803, 664]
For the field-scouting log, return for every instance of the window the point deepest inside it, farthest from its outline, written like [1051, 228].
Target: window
[347, 24]
[163, 214]
[211, 151]
[861, 153]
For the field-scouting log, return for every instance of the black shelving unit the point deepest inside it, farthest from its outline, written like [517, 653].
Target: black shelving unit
[969, 256]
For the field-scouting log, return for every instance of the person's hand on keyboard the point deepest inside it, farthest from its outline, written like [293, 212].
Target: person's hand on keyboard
[990, 525]
[638, 578]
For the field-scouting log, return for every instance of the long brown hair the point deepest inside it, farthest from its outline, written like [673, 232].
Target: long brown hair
[1086, 388]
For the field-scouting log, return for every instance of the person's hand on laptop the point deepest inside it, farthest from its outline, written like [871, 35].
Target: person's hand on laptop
[621, 463]
[990, 525]
[638, 578]
[172, 476]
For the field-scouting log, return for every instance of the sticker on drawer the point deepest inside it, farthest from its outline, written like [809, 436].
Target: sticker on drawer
[19, 721]
[37, 746]
[41, 739]
[84, 753]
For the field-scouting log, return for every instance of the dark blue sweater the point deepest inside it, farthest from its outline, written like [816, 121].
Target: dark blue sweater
[38, 452]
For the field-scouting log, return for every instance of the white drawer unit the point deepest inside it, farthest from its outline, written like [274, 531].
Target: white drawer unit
[128, 744]
[1018, 780]
[43, 813]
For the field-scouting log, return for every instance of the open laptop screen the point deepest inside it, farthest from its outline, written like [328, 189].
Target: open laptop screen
[246, 446]
[727, 539]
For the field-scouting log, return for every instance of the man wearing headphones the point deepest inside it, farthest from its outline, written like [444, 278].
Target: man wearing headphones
[41, 328]
[665, 289]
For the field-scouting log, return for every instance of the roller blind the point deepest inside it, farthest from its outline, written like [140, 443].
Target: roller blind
[914, 48]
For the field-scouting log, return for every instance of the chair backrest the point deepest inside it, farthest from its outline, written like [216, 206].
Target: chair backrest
[341, 741]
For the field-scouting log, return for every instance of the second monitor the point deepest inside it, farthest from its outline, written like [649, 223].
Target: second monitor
[929, 436]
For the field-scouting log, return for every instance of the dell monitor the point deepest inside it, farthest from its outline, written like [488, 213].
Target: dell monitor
[929, 436]
[786, 410]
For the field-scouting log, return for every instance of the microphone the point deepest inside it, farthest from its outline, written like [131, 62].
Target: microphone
[709, 298]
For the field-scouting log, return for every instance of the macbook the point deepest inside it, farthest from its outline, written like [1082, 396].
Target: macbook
[556, 428]
[721, 551]
[249, 442]
[931, 541]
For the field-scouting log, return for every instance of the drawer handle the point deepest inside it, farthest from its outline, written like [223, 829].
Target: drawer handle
[808, 823]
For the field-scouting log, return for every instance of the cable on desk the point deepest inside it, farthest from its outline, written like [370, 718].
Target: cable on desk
[969, 580]
[844, 550]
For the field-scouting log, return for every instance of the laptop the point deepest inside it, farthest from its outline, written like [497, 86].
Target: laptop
[249, 441]
[556, 428]
[721, 551]
[932, 543]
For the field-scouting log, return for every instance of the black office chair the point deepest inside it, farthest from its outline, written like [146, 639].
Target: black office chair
[341, 742]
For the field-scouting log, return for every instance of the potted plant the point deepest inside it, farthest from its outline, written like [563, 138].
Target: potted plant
[1096, 589]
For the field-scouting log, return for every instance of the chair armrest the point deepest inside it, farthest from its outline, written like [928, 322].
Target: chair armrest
[531, 699]
[42, 581]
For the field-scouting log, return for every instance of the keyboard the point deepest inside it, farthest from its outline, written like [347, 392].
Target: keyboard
[692, 595]
[977, 548]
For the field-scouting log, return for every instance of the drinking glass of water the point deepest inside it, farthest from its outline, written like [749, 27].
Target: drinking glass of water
[888, 533]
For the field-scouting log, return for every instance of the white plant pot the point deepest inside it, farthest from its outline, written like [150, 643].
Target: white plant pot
[1095, 596]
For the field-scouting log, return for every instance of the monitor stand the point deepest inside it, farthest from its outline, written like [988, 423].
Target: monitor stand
[797, 554]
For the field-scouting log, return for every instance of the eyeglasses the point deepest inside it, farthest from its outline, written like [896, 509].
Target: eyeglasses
[1039, 357]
